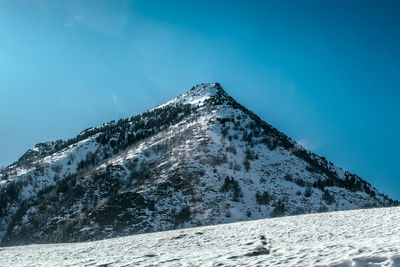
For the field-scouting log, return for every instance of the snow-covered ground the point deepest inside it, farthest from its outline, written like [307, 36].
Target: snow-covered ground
[346, 238]
[200, 159]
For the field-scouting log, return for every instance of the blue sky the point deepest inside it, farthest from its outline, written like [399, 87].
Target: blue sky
[324, 72]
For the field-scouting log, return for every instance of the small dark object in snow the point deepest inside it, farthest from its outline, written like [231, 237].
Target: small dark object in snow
[258, 251]
[180, 236]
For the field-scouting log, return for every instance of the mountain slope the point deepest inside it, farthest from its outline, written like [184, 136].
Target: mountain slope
[199, 159]
[346, 238]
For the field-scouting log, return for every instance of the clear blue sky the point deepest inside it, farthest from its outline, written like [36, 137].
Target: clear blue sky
[324, 72]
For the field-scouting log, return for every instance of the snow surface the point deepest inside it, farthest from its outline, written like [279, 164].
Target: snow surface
[192, 158]
[196, 96]
[368, 237]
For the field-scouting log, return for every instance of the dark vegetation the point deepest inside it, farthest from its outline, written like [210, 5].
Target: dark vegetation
[119, 135]
[279, 208]
[230, 185]
[263, 199]
[260, 131]
[109, 200]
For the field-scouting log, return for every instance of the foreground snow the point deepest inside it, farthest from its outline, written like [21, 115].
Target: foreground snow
[347, 238]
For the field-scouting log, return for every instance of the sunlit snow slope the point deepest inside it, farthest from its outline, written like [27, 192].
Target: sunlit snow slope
[368, 237]
[200, 159]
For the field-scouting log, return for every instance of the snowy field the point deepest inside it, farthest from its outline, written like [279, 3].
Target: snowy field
[346, 238]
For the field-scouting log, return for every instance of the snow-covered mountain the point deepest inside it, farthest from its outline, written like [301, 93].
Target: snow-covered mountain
[199, 159]
[356, 238]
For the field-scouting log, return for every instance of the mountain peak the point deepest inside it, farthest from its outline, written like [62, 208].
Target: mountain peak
[197, 95]
[206, 89]
[200, 159]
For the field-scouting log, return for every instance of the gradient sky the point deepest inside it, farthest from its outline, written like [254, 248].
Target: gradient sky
[327, 73]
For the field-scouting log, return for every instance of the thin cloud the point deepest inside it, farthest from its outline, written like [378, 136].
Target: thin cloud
[96, 16]
[115, 102]
[73, 21]
[307, 144]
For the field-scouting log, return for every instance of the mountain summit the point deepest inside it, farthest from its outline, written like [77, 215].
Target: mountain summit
[200, 159]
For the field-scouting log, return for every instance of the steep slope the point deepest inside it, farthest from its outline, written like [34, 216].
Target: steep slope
[199, 159]
[356, 238]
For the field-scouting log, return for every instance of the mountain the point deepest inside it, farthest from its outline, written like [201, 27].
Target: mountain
[199, 159]
[356, 238]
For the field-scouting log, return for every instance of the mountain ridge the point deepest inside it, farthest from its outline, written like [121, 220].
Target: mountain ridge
[201, 158]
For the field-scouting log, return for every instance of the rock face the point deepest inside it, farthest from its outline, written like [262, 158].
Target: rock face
[199, 159]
